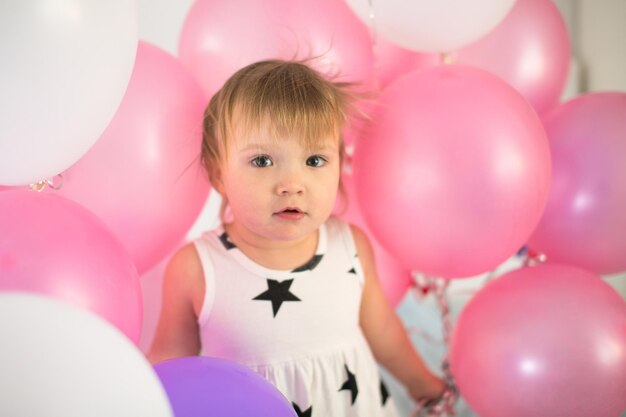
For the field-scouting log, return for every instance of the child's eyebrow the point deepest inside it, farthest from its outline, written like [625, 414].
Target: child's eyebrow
[256, 147]
[323, 149]
[268, 147]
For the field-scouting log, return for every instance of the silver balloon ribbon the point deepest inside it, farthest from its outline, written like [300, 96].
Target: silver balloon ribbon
[445, 406]
[372, 18]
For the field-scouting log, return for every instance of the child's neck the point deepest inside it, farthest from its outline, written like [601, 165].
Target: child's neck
[275, 255]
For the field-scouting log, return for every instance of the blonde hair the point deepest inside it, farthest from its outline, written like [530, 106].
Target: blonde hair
[280, 98]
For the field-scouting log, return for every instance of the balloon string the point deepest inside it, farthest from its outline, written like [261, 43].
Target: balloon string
[55, 183]
[372, 18]
[446, 404]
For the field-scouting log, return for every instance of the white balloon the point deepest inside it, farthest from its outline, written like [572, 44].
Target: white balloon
[59, 361]
[431, 25]
[65, 67]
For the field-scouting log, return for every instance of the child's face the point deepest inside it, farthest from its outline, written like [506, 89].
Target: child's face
[280, 189]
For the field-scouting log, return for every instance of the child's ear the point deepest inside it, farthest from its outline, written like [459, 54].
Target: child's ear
[215, 178]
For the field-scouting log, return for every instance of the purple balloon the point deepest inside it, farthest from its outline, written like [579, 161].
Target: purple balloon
[200, 386]
[584, 221]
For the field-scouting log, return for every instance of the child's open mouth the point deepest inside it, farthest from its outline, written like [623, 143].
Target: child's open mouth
[290, 214]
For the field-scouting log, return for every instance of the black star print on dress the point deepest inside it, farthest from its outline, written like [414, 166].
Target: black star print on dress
[384, 393]
[226, 242]
[352, 270]
[350, 385]
[301, 347]
[277, 293]
[306, 413]
[310, 265]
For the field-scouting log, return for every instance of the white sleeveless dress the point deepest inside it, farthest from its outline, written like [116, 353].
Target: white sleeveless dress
[299, 329]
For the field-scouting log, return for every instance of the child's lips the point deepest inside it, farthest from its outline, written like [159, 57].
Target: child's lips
[290, 213]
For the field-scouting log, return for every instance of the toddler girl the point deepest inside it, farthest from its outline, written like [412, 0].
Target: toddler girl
[282, 286]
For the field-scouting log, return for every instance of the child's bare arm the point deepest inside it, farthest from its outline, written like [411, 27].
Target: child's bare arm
[386, 334]
[183, 289]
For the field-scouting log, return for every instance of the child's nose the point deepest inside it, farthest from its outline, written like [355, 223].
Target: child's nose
[290, 185]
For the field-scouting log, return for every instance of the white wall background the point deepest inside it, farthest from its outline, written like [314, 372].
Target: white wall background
[598, 34]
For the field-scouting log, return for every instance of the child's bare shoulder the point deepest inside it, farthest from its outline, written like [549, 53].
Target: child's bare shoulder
[361, 240]
[185, 261]
[184, 274]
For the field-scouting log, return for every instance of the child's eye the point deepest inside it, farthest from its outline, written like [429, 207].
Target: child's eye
[316, 161]
[261, 161]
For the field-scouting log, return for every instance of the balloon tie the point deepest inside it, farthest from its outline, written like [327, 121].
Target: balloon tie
[534, 258]
[55, 183]
[447, 58]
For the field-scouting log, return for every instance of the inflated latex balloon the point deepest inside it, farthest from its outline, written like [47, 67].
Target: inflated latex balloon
[585, 218]
[548, 340]
[392, 61]
[143, 177]
[201, 386]
[58, 360]
[432, 26]
[221, 36]
[453, 173]
[53, 246]
[529, 49]
[65, 67]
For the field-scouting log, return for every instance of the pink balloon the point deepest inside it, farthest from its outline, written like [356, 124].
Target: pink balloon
[453, 173]
[143, 176]
[221, 36]
[529, 49]
[53, 246]
[548, 340]
[585, 222]
[393, 277]
[392, 61]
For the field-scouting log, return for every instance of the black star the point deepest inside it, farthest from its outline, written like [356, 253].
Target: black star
[353, 271]
[277, 293]
[350, 385]
[300, 413]
[310, 265]
[383, 392]
[227, 243]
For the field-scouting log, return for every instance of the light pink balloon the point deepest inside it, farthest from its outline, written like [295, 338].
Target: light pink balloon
[393, 277]
[584, 222]
[53, 246]
[530, 49]
[221, 36]
[548, 340]
[454, 171]
[143, 176]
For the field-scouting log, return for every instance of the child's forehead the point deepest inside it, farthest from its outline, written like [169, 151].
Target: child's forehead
[266, 132]
[265, 140]
[271, 129]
